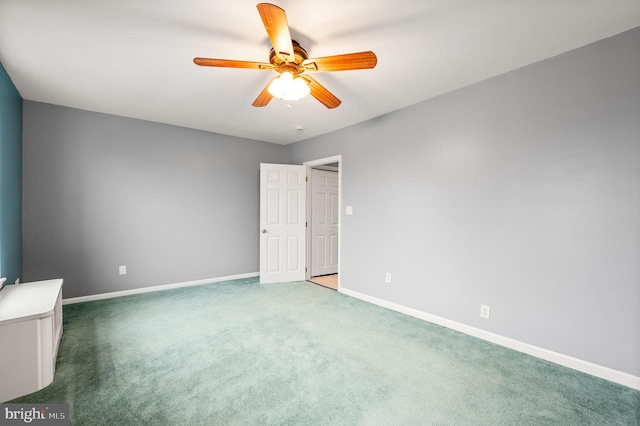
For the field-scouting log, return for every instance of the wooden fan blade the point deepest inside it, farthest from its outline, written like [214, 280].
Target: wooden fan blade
[349, 61]
[319, 92]
[230, 63]
[264, 97]
[275, 22]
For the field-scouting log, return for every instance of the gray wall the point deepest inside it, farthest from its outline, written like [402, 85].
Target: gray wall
[172, 204]
[521, 192]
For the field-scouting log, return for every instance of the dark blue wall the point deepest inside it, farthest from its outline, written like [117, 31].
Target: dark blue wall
[10, 179]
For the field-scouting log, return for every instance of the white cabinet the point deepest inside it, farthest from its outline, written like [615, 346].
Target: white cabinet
[30, 332]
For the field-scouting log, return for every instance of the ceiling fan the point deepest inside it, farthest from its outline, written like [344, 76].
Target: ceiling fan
[289, 59]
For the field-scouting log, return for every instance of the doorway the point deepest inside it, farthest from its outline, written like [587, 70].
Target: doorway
[324, 204]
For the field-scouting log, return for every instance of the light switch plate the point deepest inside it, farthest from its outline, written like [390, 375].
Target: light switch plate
[485, 311]
[349, 210]
[123, 269]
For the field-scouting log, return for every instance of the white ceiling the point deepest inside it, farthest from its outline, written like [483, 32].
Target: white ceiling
[134, 58]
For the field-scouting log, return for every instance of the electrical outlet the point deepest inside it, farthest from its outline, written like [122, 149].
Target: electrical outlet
[387, 278]
[123, 269]
[485, 311]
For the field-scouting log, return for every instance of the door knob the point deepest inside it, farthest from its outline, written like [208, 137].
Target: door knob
[264, 231]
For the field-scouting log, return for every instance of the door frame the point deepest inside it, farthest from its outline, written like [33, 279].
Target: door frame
[309, 165]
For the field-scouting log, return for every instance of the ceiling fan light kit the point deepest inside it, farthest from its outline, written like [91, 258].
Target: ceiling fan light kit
[293, 64]
[288, 88]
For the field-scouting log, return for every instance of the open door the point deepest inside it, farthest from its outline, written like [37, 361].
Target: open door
[324, 222]
[334, 164]
[282, 223]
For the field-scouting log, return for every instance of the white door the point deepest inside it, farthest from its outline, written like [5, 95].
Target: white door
[282, 223]
[324, 222]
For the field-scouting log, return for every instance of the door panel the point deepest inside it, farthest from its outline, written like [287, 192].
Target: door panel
[334, 250]
[293, 258]
[273, 255]
[320, 252]
[273, 207]
[282, 226]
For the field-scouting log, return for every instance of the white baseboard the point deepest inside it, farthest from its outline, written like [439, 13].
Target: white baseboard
[606, 373]
[155, 288]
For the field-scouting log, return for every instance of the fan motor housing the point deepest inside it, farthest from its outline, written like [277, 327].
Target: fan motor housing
[282, 65]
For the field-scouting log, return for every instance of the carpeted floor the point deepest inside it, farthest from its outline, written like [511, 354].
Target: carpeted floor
[241, 353]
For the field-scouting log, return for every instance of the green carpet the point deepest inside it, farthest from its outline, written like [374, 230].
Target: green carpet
[241, 353]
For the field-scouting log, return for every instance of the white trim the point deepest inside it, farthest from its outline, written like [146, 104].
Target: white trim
[155, 288]
[323, 161]
[606, 373]
[327, 168]
[311, 164]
